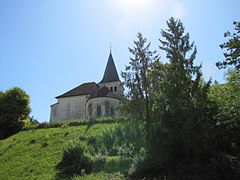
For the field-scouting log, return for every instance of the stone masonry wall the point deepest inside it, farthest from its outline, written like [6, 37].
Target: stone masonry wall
[69, 108]
[105, 103]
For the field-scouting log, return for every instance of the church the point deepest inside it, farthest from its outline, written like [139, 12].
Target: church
[90, 100]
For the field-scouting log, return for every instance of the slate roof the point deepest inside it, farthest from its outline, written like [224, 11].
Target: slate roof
[110, 74]
[102, 92]
[83, 89]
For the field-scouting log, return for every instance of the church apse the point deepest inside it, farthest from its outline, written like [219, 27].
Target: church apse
[90, 100]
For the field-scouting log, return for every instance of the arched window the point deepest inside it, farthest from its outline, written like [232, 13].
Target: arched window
[112, 111]
[107, 109]
[99, 111]
[111, 89]
[115, 88]
[90, 110]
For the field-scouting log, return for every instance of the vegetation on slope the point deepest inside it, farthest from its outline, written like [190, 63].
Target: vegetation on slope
[35, 154]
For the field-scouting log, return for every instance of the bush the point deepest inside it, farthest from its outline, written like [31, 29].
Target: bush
[108, 141]
[26, 123]
[105, 120]
[122, 140]
[77, 122]
[74, 161]
[45, 125]
[99, 161]
[92, 140]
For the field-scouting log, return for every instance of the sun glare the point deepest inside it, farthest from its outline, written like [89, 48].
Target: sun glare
[135, 5]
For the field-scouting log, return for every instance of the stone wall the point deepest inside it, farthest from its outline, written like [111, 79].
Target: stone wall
[108, 107]
[69, 108]
[112, 86]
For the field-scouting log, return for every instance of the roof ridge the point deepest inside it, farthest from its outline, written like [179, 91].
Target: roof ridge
[83, 89]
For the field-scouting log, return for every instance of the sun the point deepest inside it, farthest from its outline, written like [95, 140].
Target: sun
[134, 5]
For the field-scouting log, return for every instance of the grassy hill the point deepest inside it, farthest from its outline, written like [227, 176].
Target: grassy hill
[35, 153]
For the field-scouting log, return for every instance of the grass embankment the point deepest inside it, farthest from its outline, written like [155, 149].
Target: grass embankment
[35, 153]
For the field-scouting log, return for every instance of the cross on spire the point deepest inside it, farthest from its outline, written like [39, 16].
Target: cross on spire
[110, 74]
[110, 47]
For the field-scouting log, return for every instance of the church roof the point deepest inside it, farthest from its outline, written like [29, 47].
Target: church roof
[102, 92]
[83, 89]
[110, 74]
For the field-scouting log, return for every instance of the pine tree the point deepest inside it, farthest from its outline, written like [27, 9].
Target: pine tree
[183, 113]
[137, 80]
[232, 46]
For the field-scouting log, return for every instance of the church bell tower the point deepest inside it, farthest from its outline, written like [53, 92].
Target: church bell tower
[111, 79]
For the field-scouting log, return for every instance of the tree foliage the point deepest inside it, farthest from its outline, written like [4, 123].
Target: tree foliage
[232, 47]
[227, 97]
[14, 108]
[184, 115]
[180, 133]
[137, 81]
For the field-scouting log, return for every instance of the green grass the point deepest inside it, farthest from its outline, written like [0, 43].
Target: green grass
[34, 154]
[113, 169]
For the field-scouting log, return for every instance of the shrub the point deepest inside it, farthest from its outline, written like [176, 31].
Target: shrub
[45, 144]
[74, 161]
[92, 140]
[127, 153]
[33, 141]
[65, 124]
[121, 140]
[138, 162]
[77, 122]
[94, 144]
[99, 161]
[82, 137]
[109, 141]
[26, 123]
[105, 120]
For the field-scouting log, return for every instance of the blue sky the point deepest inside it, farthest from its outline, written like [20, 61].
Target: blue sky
[49, 47]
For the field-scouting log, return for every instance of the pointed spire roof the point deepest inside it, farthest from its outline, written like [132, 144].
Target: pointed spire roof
[110, 74]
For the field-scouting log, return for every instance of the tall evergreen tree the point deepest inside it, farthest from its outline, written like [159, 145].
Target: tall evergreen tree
[137, 80]
[182, 113]
[232, 47]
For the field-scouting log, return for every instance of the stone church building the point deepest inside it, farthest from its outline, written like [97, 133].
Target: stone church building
[90, 99]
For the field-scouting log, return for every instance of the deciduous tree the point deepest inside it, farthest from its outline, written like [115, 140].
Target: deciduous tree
[14, 107]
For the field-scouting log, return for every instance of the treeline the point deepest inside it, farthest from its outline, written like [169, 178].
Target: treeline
[182, 127]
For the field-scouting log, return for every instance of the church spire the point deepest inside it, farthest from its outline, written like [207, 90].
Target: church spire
[110, 47]
[110, 74]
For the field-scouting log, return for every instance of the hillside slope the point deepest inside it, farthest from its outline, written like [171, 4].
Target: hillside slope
[34, 154]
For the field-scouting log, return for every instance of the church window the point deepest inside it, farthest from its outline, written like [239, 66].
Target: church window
[99, 111]
[112, 111]
[90, 110]
[115, 88]
[107, 104]
[111, 88]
